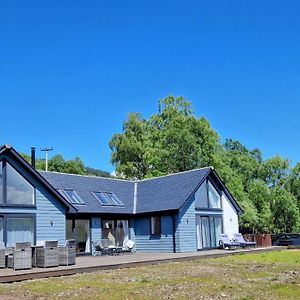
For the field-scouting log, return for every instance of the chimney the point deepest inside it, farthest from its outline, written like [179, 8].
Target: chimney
[33, 157]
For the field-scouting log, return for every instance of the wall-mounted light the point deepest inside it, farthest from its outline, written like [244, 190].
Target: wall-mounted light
[51, 222]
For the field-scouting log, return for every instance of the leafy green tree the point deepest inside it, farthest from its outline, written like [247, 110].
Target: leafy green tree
[276, 170]
[285, 213]
[172, 140]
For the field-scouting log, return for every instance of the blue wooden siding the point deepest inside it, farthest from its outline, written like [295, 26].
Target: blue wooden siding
[186, 235]
[147, 243]
[96, 230]
[50, 213]
[50, 217]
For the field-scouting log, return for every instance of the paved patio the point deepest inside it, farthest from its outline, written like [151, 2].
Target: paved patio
[86, 264]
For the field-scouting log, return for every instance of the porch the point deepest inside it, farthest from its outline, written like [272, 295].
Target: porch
[85, 264]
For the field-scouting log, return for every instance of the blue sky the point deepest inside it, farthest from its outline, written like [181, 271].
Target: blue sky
[70, 71]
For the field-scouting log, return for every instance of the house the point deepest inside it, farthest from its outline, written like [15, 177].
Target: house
[179, 212]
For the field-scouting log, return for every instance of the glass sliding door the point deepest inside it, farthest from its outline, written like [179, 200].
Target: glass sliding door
[209, 229]
[205, 232]
[19, 229]
[117, 231]
[217, 230]
[82, 231]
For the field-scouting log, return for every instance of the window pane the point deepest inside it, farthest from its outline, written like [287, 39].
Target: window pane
[82, 229]
[69, 229]
[73, 197]
[218, 230]
[201, 200]
[102, 198]
[19, 190]
[114, 199]
[19, 230]
[1, 183]
[214, 197]
[205, 232]
[155, 225]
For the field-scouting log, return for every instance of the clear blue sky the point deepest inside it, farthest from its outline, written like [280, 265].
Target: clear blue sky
[70, 71]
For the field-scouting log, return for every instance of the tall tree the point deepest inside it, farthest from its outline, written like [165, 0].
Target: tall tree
[172, 140]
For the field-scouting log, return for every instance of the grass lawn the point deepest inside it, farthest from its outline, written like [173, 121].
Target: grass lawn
[270, 275]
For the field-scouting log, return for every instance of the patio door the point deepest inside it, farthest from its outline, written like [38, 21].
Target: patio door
[209, 229]
[116, 231]
[79, 229]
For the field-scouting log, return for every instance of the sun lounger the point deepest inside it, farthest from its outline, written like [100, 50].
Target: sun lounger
[225, 242]
[243, 243]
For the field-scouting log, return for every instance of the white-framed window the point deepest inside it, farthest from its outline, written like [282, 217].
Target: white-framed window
[15, 190]
[207, 196]
[213, 196]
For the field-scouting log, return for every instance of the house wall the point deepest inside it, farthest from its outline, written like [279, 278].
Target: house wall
[186, 228]
[230, 217]
[145, 242]
[189, 216]
[50, 213]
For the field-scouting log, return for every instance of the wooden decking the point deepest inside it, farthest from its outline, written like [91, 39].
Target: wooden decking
[86, 264]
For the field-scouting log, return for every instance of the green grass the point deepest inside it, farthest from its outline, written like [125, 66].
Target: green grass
[269, 275]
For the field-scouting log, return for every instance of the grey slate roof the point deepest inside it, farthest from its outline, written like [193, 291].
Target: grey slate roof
[163, 193]
[85, 185]
[168, 192]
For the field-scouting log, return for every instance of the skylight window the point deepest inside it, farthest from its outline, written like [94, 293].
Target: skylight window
[73, 197]
[108, 199]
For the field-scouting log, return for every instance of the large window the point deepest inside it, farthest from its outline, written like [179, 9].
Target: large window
[213, 196]
[155, 225]
[117, 231]
[14, 188]
[207, 197]
[19, 229]
[18, 190]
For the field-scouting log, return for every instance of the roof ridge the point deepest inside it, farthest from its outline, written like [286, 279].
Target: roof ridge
[177, 173]
[89, 176]
[129, 180]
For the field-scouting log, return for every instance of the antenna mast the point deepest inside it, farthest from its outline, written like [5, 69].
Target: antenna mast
[46, 150]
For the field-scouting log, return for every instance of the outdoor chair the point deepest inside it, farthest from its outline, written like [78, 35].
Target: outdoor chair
[20, 257]
[225, 242]
[243, 243]
[128, 246]
[108, 247]
[67, 253]
[2, 255]
[47, 255]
